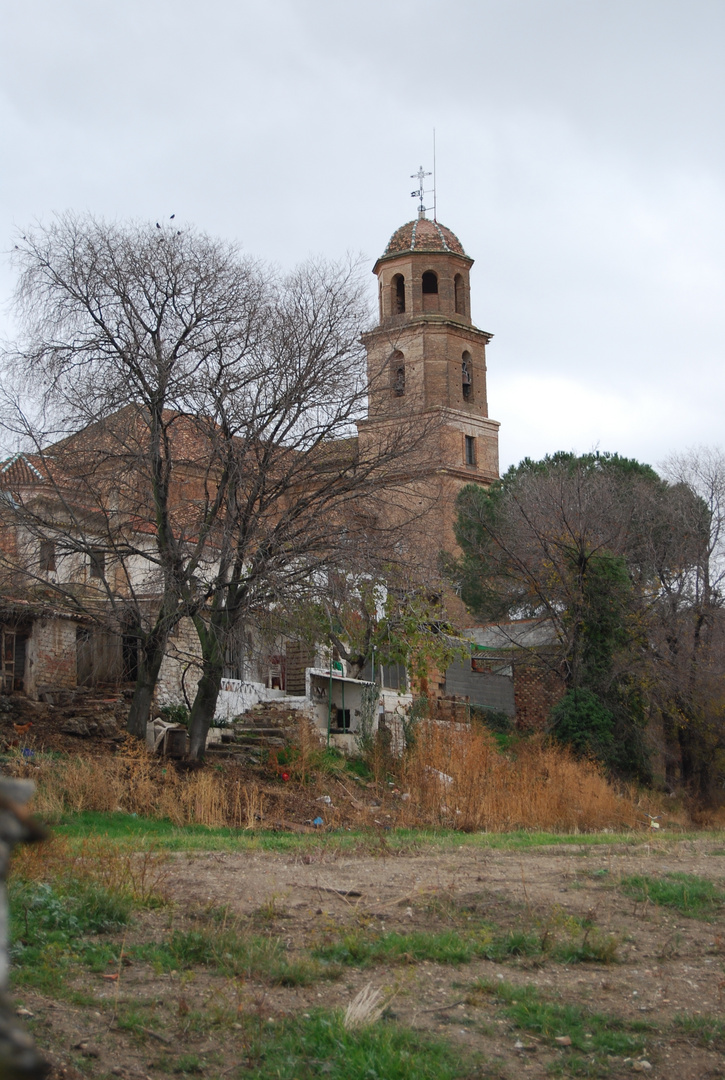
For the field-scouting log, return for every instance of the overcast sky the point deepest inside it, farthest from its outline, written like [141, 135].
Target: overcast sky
[580, 161]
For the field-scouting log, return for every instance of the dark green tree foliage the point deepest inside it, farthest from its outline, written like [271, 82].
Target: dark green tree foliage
[572, 541]
[602, 712]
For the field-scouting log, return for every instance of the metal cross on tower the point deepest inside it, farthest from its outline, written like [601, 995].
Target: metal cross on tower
[420, 192]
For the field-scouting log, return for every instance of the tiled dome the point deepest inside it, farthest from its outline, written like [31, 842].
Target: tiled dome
[423, 235]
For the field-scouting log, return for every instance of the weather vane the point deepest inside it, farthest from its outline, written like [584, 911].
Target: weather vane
[420, 192]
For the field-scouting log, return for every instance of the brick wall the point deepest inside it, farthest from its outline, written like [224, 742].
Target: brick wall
[536, 691]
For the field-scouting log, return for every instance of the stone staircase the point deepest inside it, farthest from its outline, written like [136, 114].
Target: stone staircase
[84, 712]
[266, 727]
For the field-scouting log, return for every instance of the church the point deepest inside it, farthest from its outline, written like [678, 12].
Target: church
[426, 367]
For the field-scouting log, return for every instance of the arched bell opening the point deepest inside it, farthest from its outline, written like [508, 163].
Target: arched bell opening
[467, 376]
[397, 373]
[459, 295]
[430, 290]
[397, 295]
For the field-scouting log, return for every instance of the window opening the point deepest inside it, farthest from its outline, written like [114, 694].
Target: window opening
[98, 563]
[458, 289]
[430, 282]
[470, 450]
[467, 376]
[397, 374]
[398, 287]
[47, 556]
[8, 660]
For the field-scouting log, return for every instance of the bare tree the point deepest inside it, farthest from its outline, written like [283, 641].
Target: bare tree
[128, 317]
[217, 453]
[690, 626]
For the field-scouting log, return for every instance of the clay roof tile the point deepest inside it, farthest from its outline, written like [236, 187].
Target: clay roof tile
[423, 235]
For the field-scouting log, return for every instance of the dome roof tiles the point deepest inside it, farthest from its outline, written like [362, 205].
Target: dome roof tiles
[423, 235]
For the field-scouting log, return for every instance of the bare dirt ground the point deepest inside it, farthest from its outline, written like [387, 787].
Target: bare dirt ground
[666, 965]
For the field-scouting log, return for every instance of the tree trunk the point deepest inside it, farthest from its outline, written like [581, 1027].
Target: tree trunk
[152, 655]
[202, 711]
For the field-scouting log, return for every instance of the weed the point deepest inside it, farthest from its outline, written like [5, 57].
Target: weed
[359, 768]
[707, 1031]
[694, 897]
[670, 947]
[49, 927]
[515, 943]
[269, 910]
[138, 1020]
[189, 1065]
[593, 948]
[175, 714]
[139, 878]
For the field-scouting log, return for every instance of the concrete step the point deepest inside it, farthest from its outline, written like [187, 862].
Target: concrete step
[264, 732]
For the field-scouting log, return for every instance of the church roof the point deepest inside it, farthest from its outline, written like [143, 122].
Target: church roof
[21, 469]
[423, 235]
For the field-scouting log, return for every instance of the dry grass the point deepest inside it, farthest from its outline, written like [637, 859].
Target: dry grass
[140, 876]
[456, 776]
[136, 783]
[365, 1008]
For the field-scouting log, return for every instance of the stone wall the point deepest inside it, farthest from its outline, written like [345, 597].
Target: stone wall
[182, 661]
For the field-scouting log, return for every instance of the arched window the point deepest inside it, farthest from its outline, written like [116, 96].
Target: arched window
[467, 376]
[430, 282]
[459, 297]
[397, 373]
[397, 288]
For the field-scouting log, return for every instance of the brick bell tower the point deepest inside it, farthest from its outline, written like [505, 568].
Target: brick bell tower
[426, 356]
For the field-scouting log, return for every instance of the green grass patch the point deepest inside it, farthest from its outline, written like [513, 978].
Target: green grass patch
[362, 949]
[448, 947]
[594, 1036]
[230, 952]
[694, 897]
[162, 835]
[307, 1047]
[707, 1031]
[55, 927]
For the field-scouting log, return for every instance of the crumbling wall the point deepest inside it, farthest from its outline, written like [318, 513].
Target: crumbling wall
[51, 656]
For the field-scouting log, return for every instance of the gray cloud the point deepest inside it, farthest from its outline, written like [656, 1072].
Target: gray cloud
[580, 161]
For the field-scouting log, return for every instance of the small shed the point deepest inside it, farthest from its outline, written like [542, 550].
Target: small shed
[341, 704]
